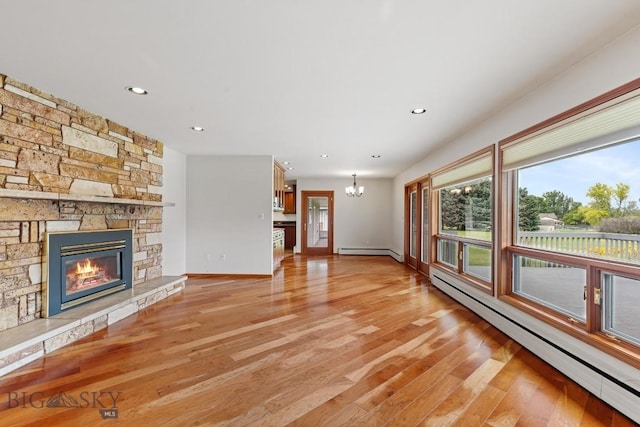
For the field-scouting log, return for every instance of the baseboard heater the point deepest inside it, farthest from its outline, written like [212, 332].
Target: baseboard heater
[371, 251]
[554, 348]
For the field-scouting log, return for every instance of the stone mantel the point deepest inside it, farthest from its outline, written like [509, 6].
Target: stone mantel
[43, 195]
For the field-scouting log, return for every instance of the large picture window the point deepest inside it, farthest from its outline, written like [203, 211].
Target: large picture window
[574, 246]
[585, 204]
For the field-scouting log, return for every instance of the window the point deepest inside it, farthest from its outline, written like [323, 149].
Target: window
[448, 252]
[464, 235]
[558, 286]
[586, 204]
[465, 210]
[620, 307]
[573, 219]
[477, 261]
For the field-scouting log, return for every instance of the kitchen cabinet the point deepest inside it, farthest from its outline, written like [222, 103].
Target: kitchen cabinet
[278, 247]
[290, 237]
[290, 201]
[278, 187]
[289, 228]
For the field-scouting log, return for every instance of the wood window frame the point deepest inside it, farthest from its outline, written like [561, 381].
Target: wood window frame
[592, 331]
[484, 286]
[411, 261]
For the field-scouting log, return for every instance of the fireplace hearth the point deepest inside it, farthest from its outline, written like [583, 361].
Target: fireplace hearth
[79, 267]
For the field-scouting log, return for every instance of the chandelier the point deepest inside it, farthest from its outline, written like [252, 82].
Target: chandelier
[354, 190]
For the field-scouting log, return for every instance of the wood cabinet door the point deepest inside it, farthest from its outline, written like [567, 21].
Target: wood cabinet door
[289, 237]
[289, 202]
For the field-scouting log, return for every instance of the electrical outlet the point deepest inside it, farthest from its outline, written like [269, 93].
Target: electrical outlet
[223, 257]
[208, 257]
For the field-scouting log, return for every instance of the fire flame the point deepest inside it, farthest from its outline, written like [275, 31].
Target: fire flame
[86, 267]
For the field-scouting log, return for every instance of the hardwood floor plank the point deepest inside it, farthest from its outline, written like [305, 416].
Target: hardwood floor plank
[239, 331]
[401, 350]
[426, 402]
[514, 404]
[454, 406]
[332, 340]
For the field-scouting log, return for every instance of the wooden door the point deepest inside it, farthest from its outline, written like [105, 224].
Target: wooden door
[417, 225]
[411, 225]
[317, 222]
[424, 216]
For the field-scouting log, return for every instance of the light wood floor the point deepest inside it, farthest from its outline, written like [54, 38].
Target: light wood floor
[339, 340]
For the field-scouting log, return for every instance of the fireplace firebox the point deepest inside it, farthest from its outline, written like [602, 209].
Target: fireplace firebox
[79, 267]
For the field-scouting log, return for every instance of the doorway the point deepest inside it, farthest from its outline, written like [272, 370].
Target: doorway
[317, 222]
[416, 225]
[411, 225]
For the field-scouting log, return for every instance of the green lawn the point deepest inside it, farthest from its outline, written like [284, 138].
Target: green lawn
[479, 256]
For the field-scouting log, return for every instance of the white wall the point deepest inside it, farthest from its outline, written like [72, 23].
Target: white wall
[359, 222]
[174, 218]
[608, 68]
[229, 214]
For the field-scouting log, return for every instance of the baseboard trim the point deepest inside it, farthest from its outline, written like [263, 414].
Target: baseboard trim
[230, 275]
[371, 251]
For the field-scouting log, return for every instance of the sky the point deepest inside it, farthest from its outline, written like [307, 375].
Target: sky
[574, 175]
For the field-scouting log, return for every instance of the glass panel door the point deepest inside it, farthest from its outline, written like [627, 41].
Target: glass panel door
[317, 222]
[414, 226]
[423, 265]
[411, 225]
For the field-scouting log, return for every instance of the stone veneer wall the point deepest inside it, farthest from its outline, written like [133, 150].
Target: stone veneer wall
[50, 147]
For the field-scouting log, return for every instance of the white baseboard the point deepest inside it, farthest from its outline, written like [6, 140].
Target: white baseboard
[605, 376]
[371, 251]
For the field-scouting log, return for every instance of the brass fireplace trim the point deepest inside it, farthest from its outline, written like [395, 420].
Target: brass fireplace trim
[80, 249]
[81, 300]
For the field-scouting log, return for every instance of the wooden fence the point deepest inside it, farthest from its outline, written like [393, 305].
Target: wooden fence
[614, 246]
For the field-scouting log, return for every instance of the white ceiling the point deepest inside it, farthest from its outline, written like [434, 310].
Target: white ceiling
[297, 79]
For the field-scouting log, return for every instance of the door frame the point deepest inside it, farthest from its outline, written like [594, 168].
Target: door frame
[424, 237]
[422, 247]
[411, 261]
[305, 221]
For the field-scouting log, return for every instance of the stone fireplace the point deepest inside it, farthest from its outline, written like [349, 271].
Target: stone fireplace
[84, 266]
[65, 171]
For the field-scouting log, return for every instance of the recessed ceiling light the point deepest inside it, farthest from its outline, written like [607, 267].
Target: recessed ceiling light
[290, 168]
[197, 128]
[324, 156]
[376, 156]
[287, 163]
[418, 111]
[137, 90]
